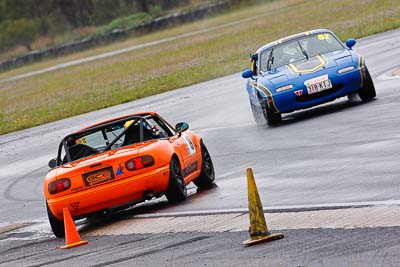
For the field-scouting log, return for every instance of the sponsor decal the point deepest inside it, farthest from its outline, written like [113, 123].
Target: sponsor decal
[190, 168]
[316, 80]
[189, 145]
[298, 92]
[120, 170]
[74, 205]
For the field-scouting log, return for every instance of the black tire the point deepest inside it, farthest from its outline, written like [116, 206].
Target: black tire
[271, 117]
[207, 174]
[367, 92]
[176, 191]
[56, 225]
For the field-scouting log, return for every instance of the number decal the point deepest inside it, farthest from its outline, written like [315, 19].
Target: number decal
[323, 36]
[81, 140]
[189, 145]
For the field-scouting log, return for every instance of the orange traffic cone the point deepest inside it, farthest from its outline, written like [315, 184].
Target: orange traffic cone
[258, 228]
[72, 238]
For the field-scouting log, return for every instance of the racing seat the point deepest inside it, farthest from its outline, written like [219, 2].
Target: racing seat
[78, 151]
[132, 135]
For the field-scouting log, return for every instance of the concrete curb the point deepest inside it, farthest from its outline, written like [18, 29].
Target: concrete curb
[363, 217]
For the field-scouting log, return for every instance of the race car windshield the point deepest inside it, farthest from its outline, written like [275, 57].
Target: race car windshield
[298, 49]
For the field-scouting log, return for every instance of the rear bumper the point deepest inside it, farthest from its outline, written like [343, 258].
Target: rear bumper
[111, 194]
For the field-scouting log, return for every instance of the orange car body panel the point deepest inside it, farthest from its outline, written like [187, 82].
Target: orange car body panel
[126, 186]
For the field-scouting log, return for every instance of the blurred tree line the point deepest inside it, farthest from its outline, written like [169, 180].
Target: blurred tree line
[21, 21]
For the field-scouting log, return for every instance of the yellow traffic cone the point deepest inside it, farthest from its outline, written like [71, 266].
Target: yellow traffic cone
[258, 228]
[72, 238]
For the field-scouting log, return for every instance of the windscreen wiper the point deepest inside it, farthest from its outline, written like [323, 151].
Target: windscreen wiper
[302, 50]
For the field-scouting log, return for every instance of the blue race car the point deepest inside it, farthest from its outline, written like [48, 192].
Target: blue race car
[302, 71]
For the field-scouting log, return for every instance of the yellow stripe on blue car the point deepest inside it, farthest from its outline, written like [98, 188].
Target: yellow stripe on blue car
[265, 91]
[322, 62]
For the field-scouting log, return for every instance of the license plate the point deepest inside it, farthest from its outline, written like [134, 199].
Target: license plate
[318, 84]
[98, 177]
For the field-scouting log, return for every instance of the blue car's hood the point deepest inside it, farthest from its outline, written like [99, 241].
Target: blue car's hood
[303, 68]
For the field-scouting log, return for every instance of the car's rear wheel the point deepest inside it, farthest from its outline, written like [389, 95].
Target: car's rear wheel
[207, 174]
[56, 225]
[367, 92]
[176, 187]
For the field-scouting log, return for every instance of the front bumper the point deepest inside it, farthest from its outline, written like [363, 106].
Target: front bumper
[343, 84]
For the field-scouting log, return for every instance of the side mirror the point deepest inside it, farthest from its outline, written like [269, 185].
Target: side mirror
[181, 127]
[247, 74]
[53, 163]
[350, 43]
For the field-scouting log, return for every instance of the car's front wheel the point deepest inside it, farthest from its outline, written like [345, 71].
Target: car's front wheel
[258, 114]
[56, 225]
[367, 92]
[176, 187]
[271, 117]
[207, 174]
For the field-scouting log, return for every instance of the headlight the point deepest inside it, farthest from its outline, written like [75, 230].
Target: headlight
[347, 69]
[284, 88]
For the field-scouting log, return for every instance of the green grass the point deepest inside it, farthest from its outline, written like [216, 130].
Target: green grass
[124, 23]
[153, 70]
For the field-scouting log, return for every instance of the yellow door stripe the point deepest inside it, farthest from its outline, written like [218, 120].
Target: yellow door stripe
[265, 91]
[361, 67]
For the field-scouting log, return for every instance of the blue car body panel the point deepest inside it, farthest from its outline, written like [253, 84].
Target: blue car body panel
[296, 74]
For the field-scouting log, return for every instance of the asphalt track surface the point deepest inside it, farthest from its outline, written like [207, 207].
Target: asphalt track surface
[339, 155]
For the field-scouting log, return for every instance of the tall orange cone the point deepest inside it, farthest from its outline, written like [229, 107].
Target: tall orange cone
[72, 238]
[258, 228]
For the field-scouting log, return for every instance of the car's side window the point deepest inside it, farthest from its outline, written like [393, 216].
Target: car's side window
[159, 130]
[165, 130]
[264, 59]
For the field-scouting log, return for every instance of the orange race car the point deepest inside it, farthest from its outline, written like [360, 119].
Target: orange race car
[124, 160]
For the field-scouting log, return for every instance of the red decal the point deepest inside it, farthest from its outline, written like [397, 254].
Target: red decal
[298, 92]
[75, 205]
